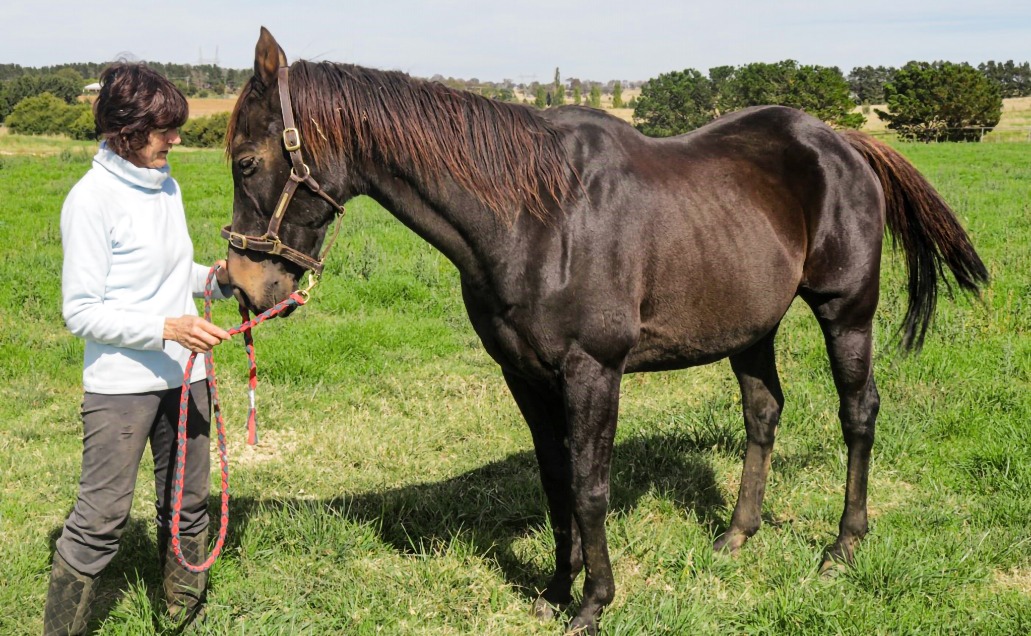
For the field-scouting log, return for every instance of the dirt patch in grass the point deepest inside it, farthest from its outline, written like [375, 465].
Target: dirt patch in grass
[1016, 579]
[272, 446]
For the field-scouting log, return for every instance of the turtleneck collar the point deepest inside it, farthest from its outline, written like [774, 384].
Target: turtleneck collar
[146, 178]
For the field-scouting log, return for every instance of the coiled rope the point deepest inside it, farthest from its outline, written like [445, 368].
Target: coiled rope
[296, 299]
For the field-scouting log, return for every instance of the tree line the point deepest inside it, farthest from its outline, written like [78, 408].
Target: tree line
[192, 79]
[925, 101]
[45, 100]
[867, 82]
[67, 81]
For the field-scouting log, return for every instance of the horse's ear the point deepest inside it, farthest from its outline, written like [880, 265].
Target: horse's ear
[268, 57]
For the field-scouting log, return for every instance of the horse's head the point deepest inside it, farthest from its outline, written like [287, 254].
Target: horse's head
[280, 212]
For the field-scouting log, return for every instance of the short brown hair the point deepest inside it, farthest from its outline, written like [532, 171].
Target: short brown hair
[133, 101]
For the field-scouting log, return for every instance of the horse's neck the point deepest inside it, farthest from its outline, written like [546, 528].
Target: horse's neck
[446, 216]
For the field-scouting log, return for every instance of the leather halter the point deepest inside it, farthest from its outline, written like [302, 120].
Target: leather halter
[269, 242]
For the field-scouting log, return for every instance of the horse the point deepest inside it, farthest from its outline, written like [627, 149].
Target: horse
[588, 251]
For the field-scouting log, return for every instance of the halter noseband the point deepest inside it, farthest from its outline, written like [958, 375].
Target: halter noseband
[269, 242]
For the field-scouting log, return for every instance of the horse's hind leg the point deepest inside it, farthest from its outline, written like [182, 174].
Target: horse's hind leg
[545, 414]
[761, 401]
[848, 330]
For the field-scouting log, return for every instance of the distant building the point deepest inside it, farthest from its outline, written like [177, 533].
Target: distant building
[91, 88]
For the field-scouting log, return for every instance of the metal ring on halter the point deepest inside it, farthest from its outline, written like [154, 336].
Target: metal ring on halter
[299, 179]
[313, 280]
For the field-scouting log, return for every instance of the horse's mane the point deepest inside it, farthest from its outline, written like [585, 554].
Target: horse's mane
[506, 155]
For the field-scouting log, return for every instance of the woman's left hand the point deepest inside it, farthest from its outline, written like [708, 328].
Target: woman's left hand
[222, 273]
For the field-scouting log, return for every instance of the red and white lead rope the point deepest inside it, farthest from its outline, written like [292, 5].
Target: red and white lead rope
[295, 299]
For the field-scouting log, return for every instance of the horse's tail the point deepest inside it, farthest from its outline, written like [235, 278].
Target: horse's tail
[928, 230]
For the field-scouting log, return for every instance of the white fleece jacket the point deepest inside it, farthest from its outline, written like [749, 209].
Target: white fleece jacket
[128, 264]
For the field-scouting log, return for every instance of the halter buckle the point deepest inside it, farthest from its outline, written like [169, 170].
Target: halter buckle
[291, 139]
[277, 247]
[237, 240]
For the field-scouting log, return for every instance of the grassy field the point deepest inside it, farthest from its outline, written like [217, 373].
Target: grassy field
[395, 490]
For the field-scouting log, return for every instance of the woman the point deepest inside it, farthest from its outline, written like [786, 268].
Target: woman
[128, 285]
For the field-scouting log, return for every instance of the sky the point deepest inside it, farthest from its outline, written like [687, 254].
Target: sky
[522, 40]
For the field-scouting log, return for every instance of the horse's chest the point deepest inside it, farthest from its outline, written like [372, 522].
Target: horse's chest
[510, 338]
[514, 344]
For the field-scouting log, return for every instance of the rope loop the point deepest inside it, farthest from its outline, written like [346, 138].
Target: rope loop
[295, 300]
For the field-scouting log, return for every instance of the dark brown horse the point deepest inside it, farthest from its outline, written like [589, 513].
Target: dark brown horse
[588, 251]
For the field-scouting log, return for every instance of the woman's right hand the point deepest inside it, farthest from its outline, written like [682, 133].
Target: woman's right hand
[194, 333]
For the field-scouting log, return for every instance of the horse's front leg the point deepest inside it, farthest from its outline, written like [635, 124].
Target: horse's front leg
[543, 409]
[592, 407]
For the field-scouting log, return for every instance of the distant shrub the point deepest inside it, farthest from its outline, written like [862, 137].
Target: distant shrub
[205, 132]
[45, 114]
[14, 91]
[83, 127]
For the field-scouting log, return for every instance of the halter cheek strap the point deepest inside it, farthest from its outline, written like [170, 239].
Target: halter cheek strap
[269, 242]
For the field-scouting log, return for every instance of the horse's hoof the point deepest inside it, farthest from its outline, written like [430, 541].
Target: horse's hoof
[836, 560]
[729, 542]
[582, 627]
[831, 569]
[545, 610]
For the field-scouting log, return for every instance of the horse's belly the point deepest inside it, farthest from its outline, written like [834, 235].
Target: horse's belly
[705, 328]
[665, 351]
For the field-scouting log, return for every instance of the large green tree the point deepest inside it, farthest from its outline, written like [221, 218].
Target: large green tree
[759, 83]
[867, 83]
[941, 101]
[680, 101]
[823, 92]
[820, 91]
[674, 103]
[720, 77]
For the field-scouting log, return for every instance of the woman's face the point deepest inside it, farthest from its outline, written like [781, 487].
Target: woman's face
[155, 153]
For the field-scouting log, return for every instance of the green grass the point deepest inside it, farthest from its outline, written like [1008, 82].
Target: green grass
[395, 489]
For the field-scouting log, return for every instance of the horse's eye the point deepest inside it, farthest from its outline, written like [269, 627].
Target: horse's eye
[248, 165]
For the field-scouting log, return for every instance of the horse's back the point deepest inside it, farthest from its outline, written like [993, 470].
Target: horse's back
[710, 235]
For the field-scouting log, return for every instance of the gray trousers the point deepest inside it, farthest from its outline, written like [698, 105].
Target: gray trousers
[116, 429]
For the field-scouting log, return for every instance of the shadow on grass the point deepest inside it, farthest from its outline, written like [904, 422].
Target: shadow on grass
[492, 507]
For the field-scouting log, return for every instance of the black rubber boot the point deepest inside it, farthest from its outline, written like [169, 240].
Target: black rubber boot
[69, 600]
[185, 591]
